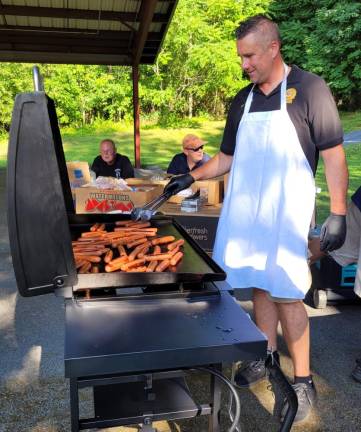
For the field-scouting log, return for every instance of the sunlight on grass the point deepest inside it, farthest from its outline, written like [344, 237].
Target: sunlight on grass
[353, 155]
[158, 146]
[351, 121]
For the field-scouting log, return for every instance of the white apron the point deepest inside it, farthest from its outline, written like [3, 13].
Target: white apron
[262, 232]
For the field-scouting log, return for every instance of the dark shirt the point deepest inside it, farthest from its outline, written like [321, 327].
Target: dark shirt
[179, 164]
[121, 168]
[356, 198]
[310, 106]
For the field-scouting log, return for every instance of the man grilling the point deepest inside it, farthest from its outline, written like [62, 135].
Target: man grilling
[275, 129]
[110, 163]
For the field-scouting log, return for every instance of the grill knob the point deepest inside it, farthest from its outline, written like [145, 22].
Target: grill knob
[59, 281]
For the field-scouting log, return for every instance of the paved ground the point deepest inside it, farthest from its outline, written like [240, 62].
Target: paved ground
[34, 394]
[352, 137]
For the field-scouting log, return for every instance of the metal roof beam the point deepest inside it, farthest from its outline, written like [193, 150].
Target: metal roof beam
[62, 40]
[64, 58]
[103, 15]
[6, 30]
[146, 15]
[60, 49]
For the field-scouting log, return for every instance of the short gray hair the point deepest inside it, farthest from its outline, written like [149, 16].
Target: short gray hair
[259, 24]
[108, 140]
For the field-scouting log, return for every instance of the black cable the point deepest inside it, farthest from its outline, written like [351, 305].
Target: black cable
[233, 391]
[288, 391]
[278, 376]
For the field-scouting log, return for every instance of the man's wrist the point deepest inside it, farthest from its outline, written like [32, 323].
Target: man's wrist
[338, 212]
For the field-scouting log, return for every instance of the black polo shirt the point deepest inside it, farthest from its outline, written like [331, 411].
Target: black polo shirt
[121, 168]
[179, 164]
[310, 106]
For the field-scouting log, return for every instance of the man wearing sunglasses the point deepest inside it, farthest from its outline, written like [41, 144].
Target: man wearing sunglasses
[192, 157]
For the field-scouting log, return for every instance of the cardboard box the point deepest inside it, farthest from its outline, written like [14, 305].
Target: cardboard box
[141, 181]
[78, 173]
[225, 182]
[175, 199]
[211, 189]
[93, 200]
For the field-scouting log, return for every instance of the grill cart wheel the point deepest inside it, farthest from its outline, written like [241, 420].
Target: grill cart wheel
[319, 298]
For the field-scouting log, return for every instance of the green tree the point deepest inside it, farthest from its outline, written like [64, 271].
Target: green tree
[334, 49]
[296, 21]
[14, 79]
[197, 72]
[324, 37]
[198, 61]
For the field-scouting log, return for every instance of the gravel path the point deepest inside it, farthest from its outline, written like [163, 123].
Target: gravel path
[352, 137]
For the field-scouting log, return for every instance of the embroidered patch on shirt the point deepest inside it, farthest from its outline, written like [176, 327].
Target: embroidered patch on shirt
[290, 95]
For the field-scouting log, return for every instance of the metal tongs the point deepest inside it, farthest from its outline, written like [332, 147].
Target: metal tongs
[148, 210]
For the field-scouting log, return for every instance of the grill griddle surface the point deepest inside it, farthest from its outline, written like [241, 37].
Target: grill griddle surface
[195, 267]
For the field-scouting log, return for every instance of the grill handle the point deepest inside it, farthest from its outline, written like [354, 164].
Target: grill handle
[38, 79]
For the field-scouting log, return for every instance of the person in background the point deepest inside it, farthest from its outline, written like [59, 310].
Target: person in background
[110, 163]
[192, 157]
[275, 130]
[348, 253]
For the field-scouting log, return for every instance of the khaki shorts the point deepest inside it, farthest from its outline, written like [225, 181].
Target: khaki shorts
[350, 252]
[289, 300]
[281, 299]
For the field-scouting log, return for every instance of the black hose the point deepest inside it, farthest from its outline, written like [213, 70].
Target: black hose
[233, 391]
[286, 389]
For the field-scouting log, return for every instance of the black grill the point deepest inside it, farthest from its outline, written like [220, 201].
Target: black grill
[139, 333]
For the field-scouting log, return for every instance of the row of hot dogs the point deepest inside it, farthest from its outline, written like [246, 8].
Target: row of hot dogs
[130, 247]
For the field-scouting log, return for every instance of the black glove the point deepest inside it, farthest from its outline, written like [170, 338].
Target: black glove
[333, 233]
[178, 183]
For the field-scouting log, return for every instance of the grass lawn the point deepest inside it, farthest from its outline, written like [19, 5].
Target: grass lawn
[353, 154]
[159, 145]
[351, 121]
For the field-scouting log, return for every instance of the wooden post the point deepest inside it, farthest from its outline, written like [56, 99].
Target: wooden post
[135, 71]
[146, 12]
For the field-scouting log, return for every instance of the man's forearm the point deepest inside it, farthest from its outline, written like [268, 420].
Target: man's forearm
[337, 178]
[218, 165]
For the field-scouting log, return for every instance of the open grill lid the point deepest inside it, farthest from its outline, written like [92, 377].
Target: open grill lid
[39, 198]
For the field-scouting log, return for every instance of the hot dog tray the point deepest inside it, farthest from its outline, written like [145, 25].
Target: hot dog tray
[196, 266]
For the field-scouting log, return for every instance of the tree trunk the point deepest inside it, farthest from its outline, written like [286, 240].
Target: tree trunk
[190, 105]
[215, 103]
